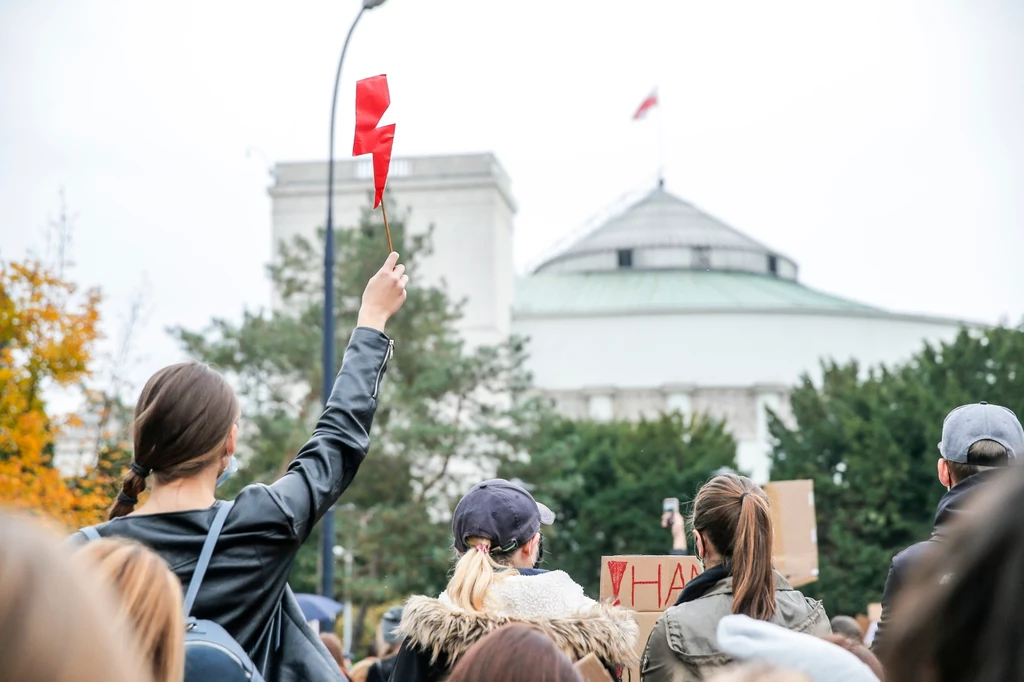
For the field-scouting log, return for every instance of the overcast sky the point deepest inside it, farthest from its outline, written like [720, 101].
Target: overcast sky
[879, 143]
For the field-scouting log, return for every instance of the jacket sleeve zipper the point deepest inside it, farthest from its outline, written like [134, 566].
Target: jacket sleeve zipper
[383, 366]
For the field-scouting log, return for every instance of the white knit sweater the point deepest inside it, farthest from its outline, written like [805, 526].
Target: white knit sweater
[548, 594]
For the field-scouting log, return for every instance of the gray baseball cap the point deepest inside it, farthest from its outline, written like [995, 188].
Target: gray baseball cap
[967, 424]
[389, 624]
[503, 512]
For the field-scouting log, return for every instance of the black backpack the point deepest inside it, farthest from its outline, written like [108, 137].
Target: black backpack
[210, 652]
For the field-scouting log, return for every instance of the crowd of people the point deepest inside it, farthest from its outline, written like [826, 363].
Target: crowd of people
[186, 587]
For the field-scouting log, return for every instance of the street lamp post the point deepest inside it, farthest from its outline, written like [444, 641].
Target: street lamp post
[327, 540]
[346, 554]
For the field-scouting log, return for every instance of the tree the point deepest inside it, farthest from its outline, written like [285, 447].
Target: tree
[47, 333]
[447, 412]
[606, 483]
[868, 440]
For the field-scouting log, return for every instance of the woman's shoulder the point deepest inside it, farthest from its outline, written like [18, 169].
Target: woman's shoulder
[800, 613]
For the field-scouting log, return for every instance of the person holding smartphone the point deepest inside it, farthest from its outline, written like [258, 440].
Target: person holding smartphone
[672, 519]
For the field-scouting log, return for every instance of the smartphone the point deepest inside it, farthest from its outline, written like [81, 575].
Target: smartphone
[670, 505]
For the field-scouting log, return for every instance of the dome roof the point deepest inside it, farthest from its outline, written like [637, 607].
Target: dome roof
[660, 291]
[663, 232]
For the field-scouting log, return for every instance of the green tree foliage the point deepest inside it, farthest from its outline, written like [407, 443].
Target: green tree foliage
[442, 404]
[869, 441]
[606, 483]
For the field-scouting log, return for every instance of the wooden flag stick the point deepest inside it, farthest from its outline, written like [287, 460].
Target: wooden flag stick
[387, 229]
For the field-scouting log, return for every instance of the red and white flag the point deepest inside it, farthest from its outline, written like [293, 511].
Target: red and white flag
[649, 103]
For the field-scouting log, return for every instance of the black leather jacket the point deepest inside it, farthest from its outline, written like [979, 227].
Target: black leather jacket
[246, 585]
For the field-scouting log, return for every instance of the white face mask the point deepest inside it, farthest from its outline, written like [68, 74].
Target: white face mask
[226, 474]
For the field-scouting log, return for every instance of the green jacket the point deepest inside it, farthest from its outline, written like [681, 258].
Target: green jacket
[683, 646]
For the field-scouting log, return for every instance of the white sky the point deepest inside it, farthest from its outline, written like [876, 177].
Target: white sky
[879, 143]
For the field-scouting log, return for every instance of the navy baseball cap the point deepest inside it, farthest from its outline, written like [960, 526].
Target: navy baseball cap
[502, 512]
[967, 424]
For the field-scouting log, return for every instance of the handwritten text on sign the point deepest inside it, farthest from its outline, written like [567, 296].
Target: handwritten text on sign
[646, 583]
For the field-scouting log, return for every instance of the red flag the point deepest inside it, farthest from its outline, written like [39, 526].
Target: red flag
[372, 100]
[646, 105]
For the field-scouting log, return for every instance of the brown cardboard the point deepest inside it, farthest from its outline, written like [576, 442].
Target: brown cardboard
[796, 530]
[646, 621]
[874, 612]
[591, 669]
[646, 583]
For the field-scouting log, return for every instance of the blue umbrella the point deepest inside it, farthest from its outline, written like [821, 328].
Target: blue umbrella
[318, 607]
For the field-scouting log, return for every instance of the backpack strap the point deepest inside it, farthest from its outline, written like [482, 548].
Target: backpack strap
[205, 555]
[90, 533]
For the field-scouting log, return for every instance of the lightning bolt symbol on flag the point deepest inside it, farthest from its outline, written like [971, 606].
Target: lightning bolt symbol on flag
[372, 100]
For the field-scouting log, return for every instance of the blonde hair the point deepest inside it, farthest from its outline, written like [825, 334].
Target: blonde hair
[474, 574]
[57, 624]
[149, 595]
[759, 673]
[361, 670]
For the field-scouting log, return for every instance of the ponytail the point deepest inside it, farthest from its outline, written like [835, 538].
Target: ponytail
[733, 514]
[753, 579]
[474, 574]
[133, 486]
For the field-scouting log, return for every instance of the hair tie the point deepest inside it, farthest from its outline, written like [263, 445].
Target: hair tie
[482, 548]
[125, 498]
[139, 470]
[742, 496]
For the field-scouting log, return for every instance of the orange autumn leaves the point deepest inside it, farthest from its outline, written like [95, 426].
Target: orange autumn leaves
[47, 334]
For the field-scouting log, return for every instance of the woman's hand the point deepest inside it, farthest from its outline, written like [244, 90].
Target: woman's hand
[384, 294]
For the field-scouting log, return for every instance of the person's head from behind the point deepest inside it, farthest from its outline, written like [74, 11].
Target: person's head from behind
[185, 428]
[334, 648]
[732, 525]
[515, 653]
[496, 526]
[975, 438]
[848, 627]
[57, 624]
[960, 617]
[389, 638]
[150, 599]
[857, 648]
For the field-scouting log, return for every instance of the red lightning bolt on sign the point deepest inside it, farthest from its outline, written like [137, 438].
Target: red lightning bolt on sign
[372, 100]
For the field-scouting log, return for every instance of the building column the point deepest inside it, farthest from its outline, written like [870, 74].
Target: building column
[601, 404]
[679, 398]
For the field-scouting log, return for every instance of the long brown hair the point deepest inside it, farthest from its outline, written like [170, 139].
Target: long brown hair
[150, 599]
[733, 515]
[182, 424]
[515, 653]
[57, 624]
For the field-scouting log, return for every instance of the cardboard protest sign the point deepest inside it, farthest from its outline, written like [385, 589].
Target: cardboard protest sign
[796, 530]
[646, 583]
[591, 669]
[646, 621]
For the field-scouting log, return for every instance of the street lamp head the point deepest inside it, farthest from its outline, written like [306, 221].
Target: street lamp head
[370, 4]
[339, 551]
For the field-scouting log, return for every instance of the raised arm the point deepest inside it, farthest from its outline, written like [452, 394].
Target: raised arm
[327, 463]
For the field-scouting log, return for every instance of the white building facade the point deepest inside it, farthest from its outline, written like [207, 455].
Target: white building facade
[660, 308]
[467, 199]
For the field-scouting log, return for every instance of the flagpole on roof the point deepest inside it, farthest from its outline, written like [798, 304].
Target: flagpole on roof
[661, 139]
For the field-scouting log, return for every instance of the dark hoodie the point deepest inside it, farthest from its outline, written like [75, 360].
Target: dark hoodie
[951, 507]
